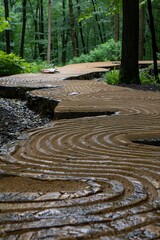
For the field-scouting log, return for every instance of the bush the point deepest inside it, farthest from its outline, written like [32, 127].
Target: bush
[109, 51]
[146, 78]
[112, 77]
[37, 66]
[11, 64]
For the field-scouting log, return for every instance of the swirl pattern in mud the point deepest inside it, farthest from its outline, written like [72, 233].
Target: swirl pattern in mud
[117, 181]
[84, 178]
[89, 98]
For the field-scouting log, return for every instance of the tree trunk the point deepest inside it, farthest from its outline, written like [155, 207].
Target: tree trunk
[7, 32]
[97, 21]
[80, 28]
[64, 34]
[24, 19]
[116, 20]
[154, 44]
[35, 33]
[73, 32]
[129, 72]
[64, 49]
[41, 30]
[55, 43]
[142, 31]
[35, 17]
[104, 32]
[49, 33]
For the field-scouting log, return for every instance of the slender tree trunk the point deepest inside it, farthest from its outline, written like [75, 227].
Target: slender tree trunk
[97, 21]
[64, 49]
[64, 34]
[104, 32]
[80, 28]
[35, 33]
[24, 4]
[63, 56]
[73, 32]
[95, 40]
[142, 31]
[129, 71]
[41, 30]
[87, 38]
[35, 18]
[55, 43]
[154, 44]
[7, 32]
[116, 22]
[49, 33]
[77, 43]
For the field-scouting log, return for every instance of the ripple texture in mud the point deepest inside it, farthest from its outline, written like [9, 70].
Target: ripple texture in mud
[117, 181]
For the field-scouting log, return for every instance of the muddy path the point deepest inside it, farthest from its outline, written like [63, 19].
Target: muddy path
[79, 177]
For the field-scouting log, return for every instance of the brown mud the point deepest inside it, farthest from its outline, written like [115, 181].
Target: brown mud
[85, 178]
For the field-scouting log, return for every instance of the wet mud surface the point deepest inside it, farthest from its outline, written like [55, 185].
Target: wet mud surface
[86, 178]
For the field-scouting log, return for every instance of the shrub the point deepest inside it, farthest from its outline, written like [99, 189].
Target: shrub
[109, 51]
[11, 64]
[37, 66]
[146, 78]
[112, 77]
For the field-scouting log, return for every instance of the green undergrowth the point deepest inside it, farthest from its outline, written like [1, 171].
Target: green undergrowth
[37, 66]
[109, 51]
[146, 76]
[11, 64]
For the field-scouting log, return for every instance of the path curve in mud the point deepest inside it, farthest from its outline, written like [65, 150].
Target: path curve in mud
[96, 181]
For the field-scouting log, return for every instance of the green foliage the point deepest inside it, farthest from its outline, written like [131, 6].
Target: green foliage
[93, 18]
[112, 77]
[12, 64]
[146, 77]
[112, 6]
[36, 67]
[109, 51]
[109, 7]
[158, 55]
[3, 24]
[147, 74]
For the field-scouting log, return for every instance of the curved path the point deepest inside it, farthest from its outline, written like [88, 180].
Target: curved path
[86, 178]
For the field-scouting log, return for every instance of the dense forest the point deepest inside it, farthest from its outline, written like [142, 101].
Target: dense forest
[58, 31]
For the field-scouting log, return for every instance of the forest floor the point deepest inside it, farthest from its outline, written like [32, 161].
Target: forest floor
[92, 172]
